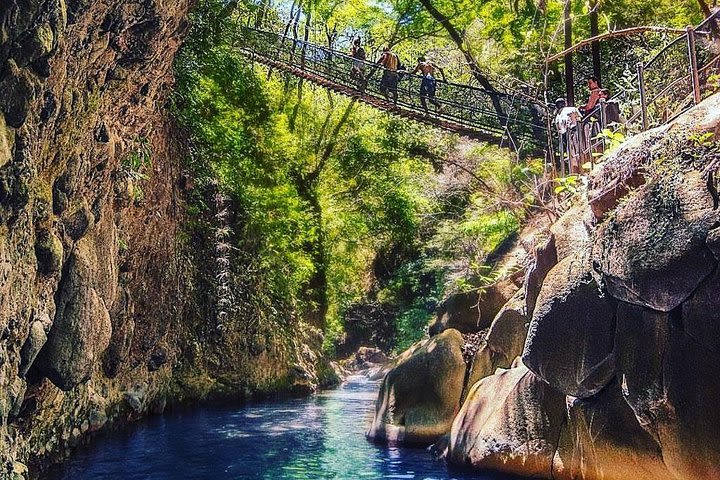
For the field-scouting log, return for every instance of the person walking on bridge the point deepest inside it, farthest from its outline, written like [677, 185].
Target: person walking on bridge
[389, 82]
[358, 69]
[428, 85]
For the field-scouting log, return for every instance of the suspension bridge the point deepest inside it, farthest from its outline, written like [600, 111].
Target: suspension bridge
[677, 77]
[513, 120]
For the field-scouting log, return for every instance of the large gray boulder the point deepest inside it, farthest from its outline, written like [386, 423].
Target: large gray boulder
[570, 338]
[420, 395]
[669, 380]
[509, 422]
[640, 343]
[571, 232]
[123, 330]
[653, 250]
[470, 312]
[602, 439]
[688, 417]
[544, 259]
[32, 346]
[508, 331]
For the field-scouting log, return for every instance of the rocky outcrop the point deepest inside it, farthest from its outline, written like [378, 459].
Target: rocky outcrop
[617, 376]
[81, 330]
[506, 337]
[473, 311]
[420, 395]
[652, 252]
[602, 439]
[100, 292]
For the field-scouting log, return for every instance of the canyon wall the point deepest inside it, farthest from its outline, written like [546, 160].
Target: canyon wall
[106, 294]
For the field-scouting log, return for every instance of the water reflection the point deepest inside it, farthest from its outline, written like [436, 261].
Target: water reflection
[316, 438]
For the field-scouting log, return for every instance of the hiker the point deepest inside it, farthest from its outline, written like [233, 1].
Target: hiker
[596, 94]
[389, 82]
[566, 121]
[358, 69]
[428, 84]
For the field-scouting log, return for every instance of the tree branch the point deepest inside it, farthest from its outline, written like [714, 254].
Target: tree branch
[616, 33]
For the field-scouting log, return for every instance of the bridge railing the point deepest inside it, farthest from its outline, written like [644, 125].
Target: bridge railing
[677, 77]
[513, 117]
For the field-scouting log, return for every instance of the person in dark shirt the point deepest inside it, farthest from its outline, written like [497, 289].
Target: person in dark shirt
[358, 69]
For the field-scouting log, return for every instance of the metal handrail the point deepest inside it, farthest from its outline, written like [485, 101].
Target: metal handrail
[714, 16]
[471, 106]
[667, 47]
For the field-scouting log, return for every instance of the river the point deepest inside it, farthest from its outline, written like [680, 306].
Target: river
[320, 437]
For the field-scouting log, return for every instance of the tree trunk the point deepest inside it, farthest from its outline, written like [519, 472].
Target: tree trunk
[457, 37]
[595, 47]
[306, 185]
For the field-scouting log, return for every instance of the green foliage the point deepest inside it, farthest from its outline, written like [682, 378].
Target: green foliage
[702, 139]
[566, 186]
[411, 327]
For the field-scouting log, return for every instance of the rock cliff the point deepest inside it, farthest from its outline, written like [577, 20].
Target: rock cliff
[102, 312]
[615, 329]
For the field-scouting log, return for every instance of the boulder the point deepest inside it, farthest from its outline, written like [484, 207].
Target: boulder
[420, 396]
[473, 311]
[653, 251]
[16, 394]
[544, 258]
[640, 343]
[49, 253]
[508, 331]
[602, 440]
[606, 195]
[77, 222]
[20, 89]
[123, 330]
[570, 338]
[32, 346]
[460, 311]
[483, 365]
[379, 373]
[81, 330]
[510, 422]
[688, 417]
[369, 355]
[701, 313]
[571, 233]
[670, 382]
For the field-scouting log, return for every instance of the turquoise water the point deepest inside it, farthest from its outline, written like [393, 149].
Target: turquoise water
[322, 437]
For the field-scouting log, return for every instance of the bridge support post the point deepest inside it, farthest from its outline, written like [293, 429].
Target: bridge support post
[694, 77]
[569, 80]
[643, 100]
